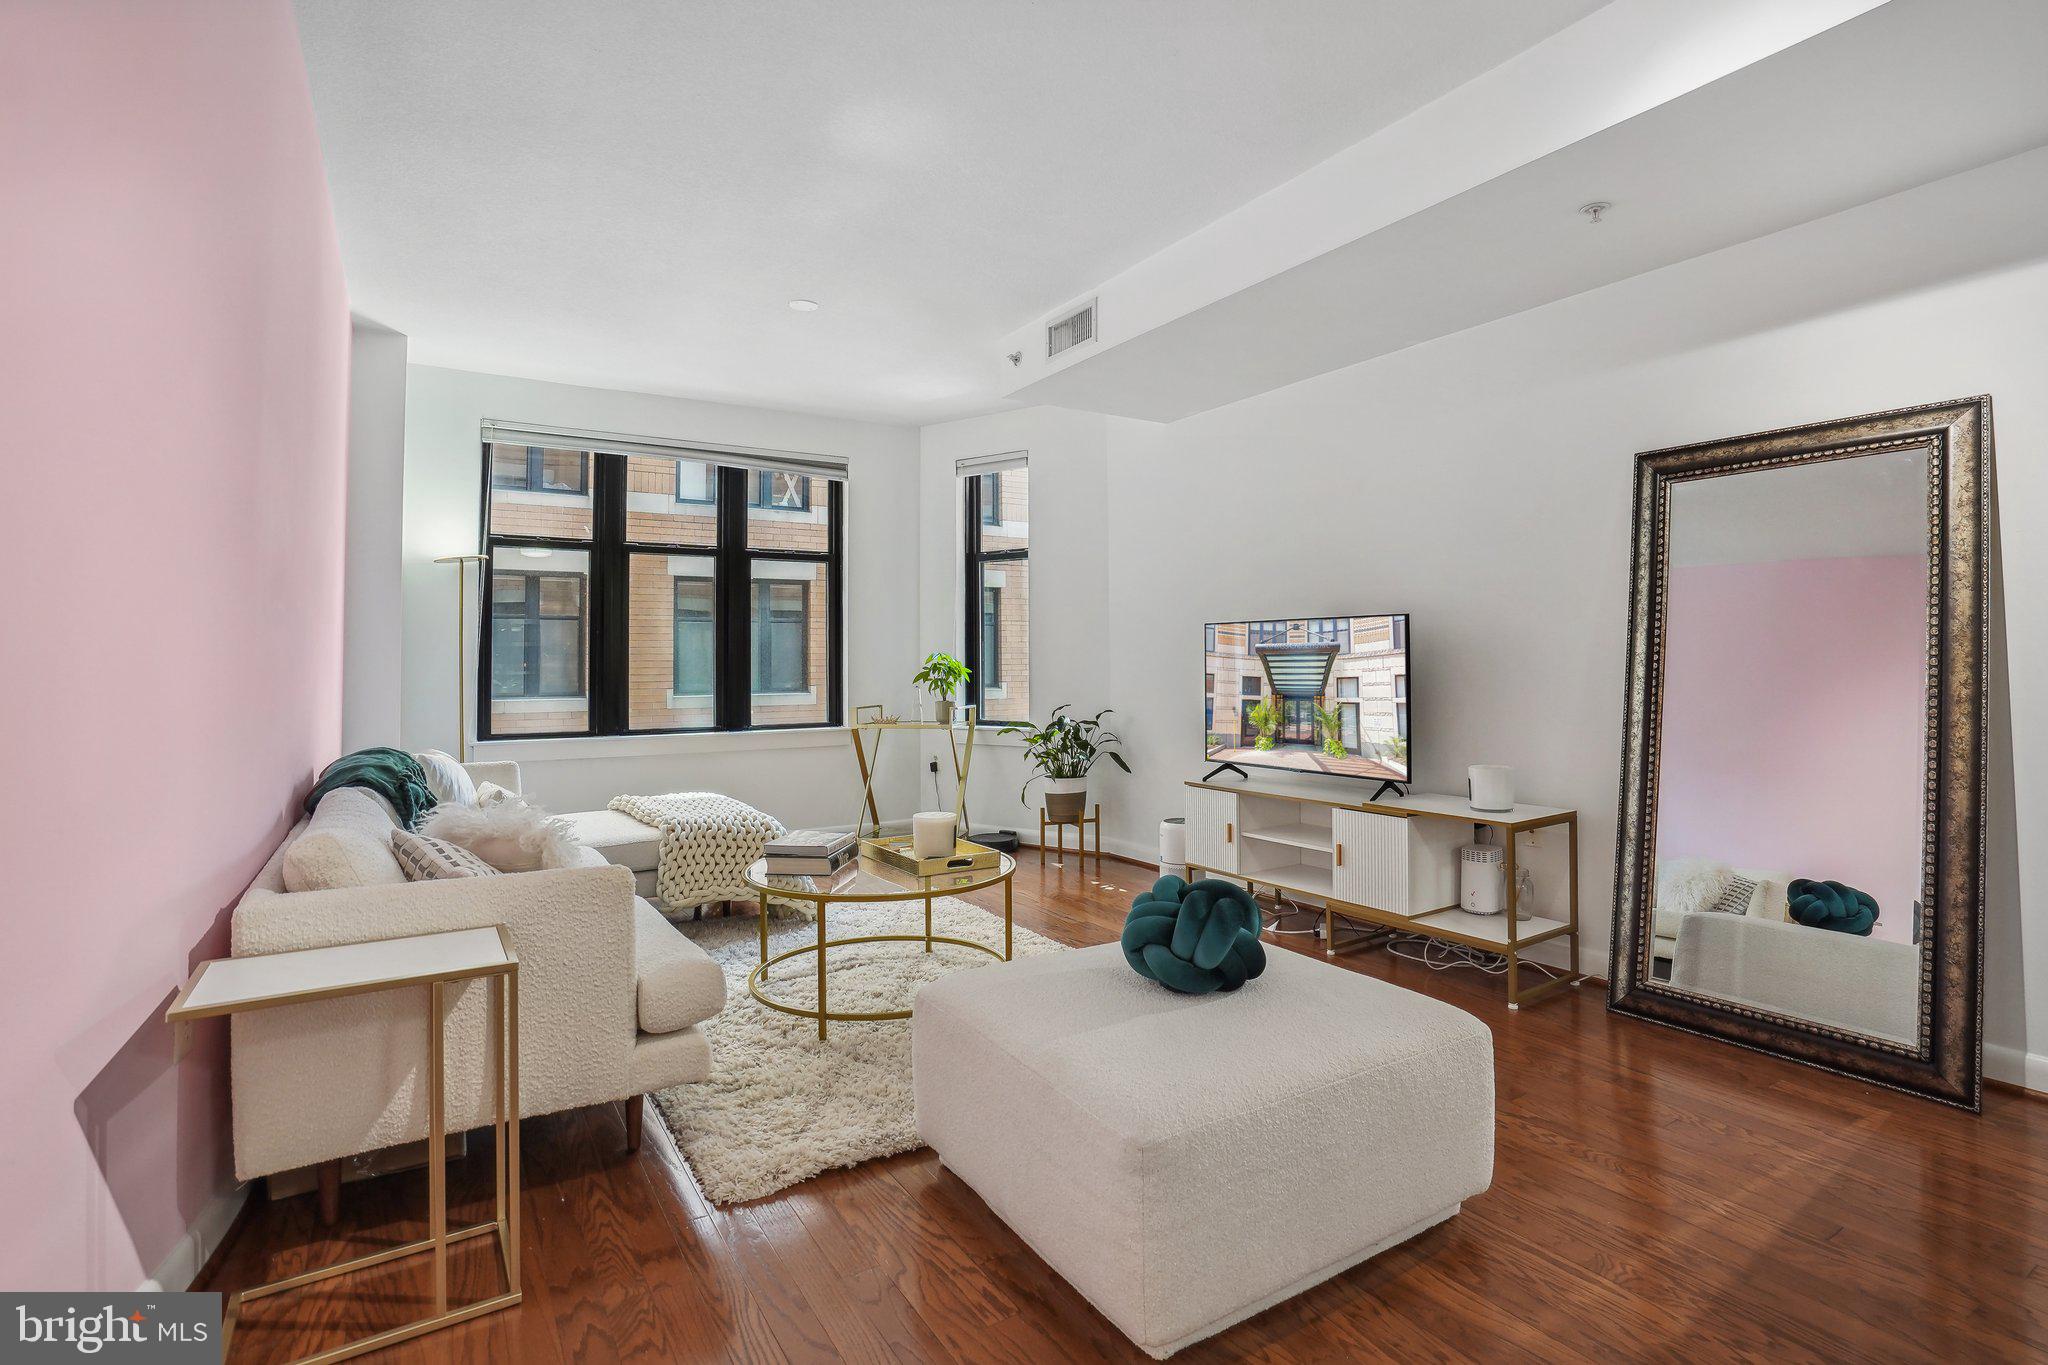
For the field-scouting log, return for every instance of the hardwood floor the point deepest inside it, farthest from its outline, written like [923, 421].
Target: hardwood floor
[1655, 1197]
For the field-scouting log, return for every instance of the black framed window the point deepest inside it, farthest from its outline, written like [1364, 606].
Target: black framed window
[1268, 632]
[696, 643]
[995, 636]
[777, 489]
[696, 482]
[782, 632]
[539, 469]
[623, 619]
[1250, 685]
[992, 631]
[1331, 630]
[537, 635]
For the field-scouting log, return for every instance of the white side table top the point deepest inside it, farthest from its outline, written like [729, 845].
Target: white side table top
[228, 984]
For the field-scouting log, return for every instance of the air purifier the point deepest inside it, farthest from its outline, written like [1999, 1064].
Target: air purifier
[1493, 786]
[1482, 880]
[1173, 847]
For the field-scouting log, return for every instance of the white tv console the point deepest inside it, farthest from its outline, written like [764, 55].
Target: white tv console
[1392, 864]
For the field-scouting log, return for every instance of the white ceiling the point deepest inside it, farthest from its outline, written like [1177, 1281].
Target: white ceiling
[627, 193]
[1908, 93]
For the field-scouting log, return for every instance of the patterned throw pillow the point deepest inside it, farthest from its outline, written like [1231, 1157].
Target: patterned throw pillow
[1734, 900]
[427, 859]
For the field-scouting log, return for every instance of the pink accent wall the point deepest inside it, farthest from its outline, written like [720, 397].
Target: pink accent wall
[173, 389]
[1793, 720]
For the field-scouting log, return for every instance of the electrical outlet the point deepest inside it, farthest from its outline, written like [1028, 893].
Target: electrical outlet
[935, 767]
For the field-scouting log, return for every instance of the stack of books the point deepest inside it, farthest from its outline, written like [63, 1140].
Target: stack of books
[808, 853]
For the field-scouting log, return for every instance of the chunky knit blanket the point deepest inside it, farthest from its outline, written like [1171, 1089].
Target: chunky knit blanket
[707, 840]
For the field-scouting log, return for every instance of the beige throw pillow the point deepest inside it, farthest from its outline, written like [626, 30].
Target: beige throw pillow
[427, 859]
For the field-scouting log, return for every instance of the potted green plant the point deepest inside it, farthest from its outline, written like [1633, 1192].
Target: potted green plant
[942, 676]
[1063, 750]
[1265, 718]
[1330, 721]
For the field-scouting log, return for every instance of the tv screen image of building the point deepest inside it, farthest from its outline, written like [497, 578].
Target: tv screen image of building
[1312, 694]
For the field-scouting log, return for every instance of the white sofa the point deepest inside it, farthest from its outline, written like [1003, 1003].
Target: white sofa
[610, 995]
[1846, 981]
[1769, 900]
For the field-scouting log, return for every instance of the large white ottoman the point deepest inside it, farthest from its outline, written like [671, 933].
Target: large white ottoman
[1187, 1161]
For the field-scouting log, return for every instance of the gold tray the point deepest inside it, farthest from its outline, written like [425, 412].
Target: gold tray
[895, 851]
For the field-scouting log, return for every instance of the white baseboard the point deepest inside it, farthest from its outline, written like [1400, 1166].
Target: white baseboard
[182, 1264]
[2028, 1070]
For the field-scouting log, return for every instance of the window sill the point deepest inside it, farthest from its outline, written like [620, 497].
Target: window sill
[655, 746]
[539, 706]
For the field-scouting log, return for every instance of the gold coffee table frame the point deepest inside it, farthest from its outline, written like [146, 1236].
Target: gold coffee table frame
[865, 881]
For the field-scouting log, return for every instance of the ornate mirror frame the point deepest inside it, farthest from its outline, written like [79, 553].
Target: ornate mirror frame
[1946, 1063]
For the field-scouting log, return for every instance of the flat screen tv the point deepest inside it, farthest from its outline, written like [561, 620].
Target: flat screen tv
[1310, 694]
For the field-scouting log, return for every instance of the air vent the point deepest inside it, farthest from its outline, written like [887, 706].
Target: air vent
[1071, 330]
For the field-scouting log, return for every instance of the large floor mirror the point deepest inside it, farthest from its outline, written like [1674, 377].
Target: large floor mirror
[1800, 864]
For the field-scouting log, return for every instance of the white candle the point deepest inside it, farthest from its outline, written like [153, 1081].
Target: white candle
[931, 833]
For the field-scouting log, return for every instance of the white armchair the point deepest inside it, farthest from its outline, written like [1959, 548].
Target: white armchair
[610, 995]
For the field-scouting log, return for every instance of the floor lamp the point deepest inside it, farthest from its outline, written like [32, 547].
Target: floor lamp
[461, 563]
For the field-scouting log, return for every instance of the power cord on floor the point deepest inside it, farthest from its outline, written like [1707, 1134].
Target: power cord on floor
[1440, 956]
[1280, 899]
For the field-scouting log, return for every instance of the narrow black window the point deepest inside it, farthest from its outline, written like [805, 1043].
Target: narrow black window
[996, 635]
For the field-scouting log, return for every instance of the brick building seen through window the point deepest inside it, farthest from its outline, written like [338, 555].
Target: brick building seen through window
[548, 555]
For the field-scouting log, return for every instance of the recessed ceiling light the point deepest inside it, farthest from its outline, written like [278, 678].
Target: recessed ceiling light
[803, 305]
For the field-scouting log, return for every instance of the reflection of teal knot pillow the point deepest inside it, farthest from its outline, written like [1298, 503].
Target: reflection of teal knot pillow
[1195, 939]
[1831, 905]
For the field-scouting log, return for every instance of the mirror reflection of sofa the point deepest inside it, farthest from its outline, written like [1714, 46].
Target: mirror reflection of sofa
[1728, 933]
[1691, 886]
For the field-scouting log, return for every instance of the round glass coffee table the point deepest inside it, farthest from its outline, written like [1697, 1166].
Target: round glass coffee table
[866, 881]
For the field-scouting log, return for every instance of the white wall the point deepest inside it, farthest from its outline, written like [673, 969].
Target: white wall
[1482, 482]
[802, 777]
[372, 622]
[1073, 621]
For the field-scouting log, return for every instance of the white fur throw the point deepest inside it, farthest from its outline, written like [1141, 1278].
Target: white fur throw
[512, 834]
[1690, 885]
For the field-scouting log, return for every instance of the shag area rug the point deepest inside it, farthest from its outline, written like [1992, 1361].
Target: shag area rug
[781, 1106]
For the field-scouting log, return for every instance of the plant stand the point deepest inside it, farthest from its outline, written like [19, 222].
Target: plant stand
[1080, 828]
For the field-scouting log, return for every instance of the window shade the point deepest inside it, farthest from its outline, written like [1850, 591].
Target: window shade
[991, 464]
[737, 457]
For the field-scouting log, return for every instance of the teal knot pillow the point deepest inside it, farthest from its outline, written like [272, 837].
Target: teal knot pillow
[1194, 939]
[1831, 905]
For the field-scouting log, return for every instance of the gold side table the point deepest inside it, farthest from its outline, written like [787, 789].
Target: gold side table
[868, 881]
[231, 985]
